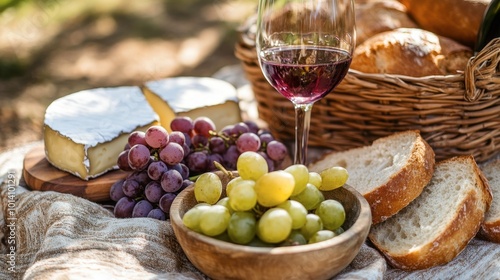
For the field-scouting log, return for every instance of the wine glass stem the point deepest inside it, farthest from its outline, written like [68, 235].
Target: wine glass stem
[302, 123]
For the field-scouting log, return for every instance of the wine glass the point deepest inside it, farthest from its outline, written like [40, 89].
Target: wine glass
[304, 49]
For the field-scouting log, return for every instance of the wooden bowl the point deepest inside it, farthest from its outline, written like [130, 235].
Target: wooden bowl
[223, 260]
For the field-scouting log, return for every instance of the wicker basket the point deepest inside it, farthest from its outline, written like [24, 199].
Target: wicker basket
[457, 114]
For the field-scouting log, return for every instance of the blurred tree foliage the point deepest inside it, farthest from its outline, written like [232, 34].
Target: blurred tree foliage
[13, 66]
[179, 11]
[10, 67]
[6, 4]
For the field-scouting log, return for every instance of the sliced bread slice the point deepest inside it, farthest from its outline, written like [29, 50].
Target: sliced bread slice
[490, 229]
[390, 173]
[438, 224]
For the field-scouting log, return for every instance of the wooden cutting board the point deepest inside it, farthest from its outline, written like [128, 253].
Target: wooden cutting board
[40, 175]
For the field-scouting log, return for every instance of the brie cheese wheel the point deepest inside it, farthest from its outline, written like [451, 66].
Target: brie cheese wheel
[194, 97]
[84, 132]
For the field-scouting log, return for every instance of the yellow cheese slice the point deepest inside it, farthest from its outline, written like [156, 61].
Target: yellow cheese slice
[194, 97]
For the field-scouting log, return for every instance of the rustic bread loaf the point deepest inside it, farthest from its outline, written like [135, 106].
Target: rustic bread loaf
[412, 52]
[437, 225]
[455, 19]
[378, 16]
[390, 173]
[490, 229]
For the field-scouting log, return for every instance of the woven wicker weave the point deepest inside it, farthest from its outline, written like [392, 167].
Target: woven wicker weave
[457, 114]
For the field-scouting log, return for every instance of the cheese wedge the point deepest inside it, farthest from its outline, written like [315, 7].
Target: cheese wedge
[194, 97]
[84, 132]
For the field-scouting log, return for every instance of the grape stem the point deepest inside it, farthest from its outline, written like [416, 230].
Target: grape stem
[224, 170]
[155, 153]
[193, 178]
[259, 210]
[221, 135]
[221, 168]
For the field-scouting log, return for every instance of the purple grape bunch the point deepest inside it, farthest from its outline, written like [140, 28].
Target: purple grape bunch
[157, 174]
[226, 145]
[162, 163]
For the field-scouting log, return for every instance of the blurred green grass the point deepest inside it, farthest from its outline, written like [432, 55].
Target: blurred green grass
[51, 48]
[37, 25]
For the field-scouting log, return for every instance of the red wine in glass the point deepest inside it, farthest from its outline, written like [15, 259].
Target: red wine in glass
[304, 49]
[305, 74]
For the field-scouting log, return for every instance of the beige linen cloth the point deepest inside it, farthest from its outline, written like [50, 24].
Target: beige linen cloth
[61, 236]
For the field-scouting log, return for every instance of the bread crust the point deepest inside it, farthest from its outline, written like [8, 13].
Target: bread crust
[390, 197]
[455, 237]
[411, 52]
[415, 176]
[490, 231]
[490, 228]
[379, 16]
[455, 19]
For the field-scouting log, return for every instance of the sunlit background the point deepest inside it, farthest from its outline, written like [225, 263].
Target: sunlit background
[50, 48]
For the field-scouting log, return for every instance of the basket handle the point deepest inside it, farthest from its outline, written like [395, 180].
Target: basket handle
[481, 67]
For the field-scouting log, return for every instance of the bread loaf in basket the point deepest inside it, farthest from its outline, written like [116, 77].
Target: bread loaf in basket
[457, 114]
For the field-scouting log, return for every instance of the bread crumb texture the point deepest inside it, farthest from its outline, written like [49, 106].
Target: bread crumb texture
[425, 218]
[372, 166]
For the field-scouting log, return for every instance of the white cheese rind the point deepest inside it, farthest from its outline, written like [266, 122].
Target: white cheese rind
[85, 131]
[96, 116]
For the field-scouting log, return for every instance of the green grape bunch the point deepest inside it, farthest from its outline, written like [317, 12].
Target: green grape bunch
[268, 208]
